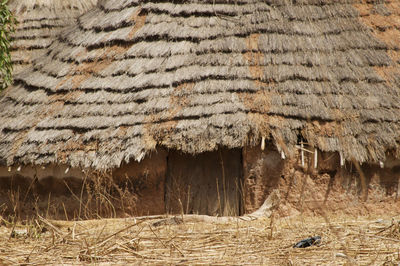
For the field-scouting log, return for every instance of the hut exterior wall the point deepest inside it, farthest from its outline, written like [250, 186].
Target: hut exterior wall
[387, 178]
[28, 171]
[262, 171]
[148, 179]
[222, 182]
[327, 162]
[392, 162]
[384, 175]
[54, 179]
[32, 190]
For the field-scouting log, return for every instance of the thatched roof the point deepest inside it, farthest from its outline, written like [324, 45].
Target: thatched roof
[195, 75]
[40, 21]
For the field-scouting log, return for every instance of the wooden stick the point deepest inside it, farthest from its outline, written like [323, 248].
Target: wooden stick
[384, 238]
[315, 158]
[262, 143]
[302, 154]
[55, 229]
[341, 159]
[116, 233]
[304, 149]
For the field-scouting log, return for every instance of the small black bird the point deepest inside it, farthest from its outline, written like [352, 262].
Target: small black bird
[315, 240]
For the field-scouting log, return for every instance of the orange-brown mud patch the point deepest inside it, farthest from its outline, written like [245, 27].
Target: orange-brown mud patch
[140, 20]
[386, 28]
[159, 126]
[258, 104]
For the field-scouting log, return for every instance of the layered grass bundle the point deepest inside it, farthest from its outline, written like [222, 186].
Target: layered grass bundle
[40, 22]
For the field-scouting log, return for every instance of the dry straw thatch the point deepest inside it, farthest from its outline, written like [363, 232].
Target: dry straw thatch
[195, 75]
[40, 21]
[61, 6]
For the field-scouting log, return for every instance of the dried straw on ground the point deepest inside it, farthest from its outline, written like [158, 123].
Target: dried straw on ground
[258, 242]
[195, 75]
[39, 23]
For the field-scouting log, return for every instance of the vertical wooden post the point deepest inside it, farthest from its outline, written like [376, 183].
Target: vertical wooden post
[341, 159]
[315, 158]
[262, 143]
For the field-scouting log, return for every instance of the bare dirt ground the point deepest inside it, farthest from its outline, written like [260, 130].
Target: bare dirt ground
[345, 240]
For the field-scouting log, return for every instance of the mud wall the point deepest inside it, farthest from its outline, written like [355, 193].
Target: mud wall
[224, 182]
[28, 190]
[387, 178]
[330, 185]
[67, 193]
[383, 176]
[41, 172]
[147, 179]
[55, 179]
[262, 171]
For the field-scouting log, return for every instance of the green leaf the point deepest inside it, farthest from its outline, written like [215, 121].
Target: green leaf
[7, 27]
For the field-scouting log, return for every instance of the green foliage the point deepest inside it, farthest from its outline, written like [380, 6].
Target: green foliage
[7, 27]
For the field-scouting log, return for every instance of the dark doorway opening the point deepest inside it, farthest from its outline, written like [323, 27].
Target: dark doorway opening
[208, 183]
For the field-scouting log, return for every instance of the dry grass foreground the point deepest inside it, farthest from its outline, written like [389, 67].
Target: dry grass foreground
[160, 240]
